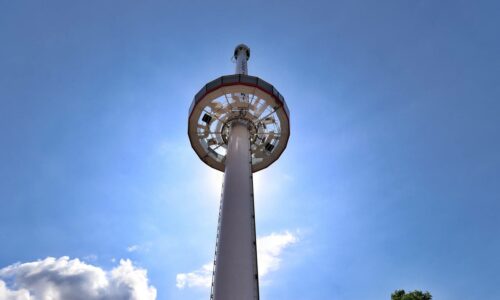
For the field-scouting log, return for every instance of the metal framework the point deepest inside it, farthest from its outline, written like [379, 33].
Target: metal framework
[238, 124]
[233, 97]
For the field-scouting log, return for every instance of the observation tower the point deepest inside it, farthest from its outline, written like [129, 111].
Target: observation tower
[238, 124]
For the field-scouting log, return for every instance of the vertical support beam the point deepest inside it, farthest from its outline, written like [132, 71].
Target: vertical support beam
[241, 56]
[236, 275]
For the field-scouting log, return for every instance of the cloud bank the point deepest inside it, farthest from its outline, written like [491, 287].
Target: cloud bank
[269, 250]
[72, 279]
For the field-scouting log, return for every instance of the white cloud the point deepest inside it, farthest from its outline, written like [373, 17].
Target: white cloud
[89, 258]
[64, 278]
[133, 248]
[7, 294]
[139, 248]
[201, 277]
[269, 250]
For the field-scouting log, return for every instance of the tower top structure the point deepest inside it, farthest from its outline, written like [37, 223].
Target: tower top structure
[247, 99]
[242, 47]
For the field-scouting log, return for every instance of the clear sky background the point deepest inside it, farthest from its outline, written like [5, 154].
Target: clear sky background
[390, 179]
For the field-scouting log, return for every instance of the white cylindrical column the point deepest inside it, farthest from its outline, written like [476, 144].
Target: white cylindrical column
[241, 56]
[236, 262]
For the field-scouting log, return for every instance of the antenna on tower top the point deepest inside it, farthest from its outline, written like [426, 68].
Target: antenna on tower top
[242, 48]
[241, 57]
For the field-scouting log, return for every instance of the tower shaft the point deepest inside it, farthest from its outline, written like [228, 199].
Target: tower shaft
[241, 55]
[236, 275]
[238, 124]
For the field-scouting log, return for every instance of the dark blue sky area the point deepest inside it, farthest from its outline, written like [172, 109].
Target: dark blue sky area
[390, 179]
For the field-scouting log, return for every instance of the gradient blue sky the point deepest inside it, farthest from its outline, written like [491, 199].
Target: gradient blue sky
[390, 179]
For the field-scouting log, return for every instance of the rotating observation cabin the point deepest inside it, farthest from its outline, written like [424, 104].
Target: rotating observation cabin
[238, 124]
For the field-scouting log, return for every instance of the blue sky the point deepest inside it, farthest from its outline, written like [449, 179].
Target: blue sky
[390, 179]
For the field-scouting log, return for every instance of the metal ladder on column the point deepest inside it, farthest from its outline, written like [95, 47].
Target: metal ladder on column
[216, 243]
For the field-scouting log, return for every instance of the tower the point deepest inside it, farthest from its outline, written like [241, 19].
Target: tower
[238, 124]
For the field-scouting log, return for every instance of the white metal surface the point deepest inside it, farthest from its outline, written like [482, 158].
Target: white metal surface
[236, 262]
[241, 54]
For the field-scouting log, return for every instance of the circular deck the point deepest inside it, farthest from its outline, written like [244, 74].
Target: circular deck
[238, 97]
